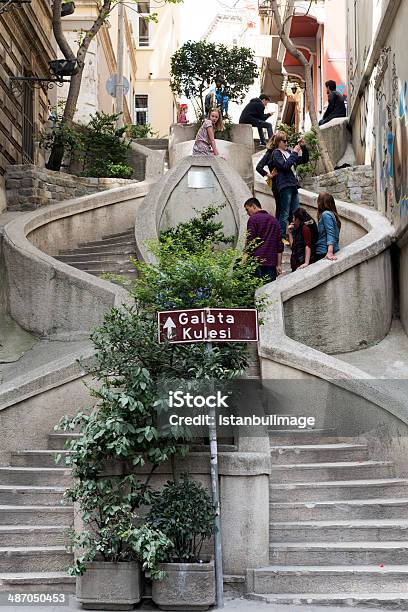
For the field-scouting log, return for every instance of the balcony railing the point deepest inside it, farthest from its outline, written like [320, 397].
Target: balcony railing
[264, 8]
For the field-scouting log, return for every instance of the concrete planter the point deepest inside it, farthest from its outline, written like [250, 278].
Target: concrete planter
[188, 586]
[112, 586]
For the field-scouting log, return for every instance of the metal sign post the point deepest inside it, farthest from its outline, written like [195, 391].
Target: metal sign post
[215, 488]
[210, 325]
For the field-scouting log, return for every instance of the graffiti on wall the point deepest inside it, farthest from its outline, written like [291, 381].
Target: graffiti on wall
[390, 132]
[400, 149]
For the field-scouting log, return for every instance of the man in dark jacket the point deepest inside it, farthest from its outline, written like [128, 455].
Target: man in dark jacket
[254, 114]
[266, 229]
[336, 107]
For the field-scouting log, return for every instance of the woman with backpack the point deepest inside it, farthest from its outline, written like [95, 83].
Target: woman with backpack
[328, 226]
[267, 162]
[302, 234]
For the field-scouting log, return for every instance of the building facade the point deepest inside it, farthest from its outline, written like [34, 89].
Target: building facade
[378, 98]
[155, 44]
[26, 47]
[147, 49]
[319, 31]
[97, 84]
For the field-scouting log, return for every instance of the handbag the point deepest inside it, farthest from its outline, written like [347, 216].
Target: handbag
[270, 177]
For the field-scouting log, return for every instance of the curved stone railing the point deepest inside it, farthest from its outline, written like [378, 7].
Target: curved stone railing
[51, 298]
[285, 357]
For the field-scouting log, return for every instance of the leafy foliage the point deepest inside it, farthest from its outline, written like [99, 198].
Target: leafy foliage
[196, 66]
[184, 512]
[111, 533]
[99, 147]
[60, 134]
[141, 131]
[103, 148]
[312, 143]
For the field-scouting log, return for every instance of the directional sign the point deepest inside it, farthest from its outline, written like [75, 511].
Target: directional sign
[208, 325]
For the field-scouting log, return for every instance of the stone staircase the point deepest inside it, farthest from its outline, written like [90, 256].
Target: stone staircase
[109, 255]
[338, 525]
[34, 523]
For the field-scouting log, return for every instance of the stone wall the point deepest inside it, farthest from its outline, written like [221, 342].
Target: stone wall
[29, 187]
[354, 184]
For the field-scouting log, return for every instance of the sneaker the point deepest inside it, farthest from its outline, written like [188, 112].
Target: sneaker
[262, 144]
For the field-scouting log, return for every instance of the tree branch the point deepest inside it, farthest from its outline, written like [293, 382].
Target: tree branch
[58, 33]
[90, 34]
[308, 66]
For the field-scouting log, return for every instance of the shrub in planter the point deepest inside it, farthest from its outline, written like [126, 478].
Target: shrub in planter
[184, 512]
[114, 545]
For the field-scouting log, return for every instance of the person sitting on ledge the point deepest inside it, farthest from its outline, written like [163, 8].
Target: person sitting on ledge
[336, 107]
[205, 140]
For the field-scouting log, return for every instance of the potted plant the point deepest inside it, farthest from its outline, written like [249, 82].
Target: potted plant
[183, 511]
[114, 547]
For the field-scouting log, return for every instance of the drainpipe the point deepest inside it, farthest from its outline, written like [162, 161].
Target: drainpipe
[119, 78]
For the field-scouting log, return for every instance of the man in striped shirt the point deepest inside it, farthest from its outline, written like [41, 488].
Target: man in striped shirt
[266, 229]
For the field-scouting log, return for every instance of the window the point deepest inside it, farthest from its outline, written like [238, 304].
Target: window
[28, 124]
[141, 109]
[143, 8]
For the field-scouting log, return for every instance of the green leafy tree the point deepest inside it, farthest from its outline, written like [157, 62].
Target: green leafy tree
[196, 66]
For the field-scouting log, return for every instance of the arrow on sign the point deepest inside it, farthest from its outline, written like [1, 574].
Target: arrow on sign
[169, 325]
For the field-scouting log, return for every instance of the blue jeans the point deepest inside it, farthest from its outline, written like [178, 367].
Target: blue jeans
[267, 273]
[289, 202]
[268, 126]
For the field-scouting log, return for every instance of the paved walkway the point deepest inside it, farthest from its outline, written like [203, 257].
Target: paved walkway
[40, 355]
[241, 605]
[387, 360]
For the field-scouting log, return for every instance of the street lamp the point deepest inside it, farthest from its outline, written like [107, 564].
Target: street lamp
[59, 69]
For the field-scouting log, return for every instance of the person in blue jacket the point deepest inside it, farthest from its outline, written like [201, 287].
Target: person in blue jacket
[285, 162]
[328, 227]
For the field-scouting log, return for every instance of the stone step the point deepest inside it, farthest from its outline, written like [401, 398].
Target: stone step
[338, 553]
[102, 266]
[373, 599]
[331, 578]
[352, 530]
[339, 490]
[33, 535]
[34, 559]
[302, 436]
[31, 496]
[98, 257]
[103, 249]
[35, 476]
[129, 274]
[36, 515]
[305, 472]
[37, 582]
[339, 509]
[129, 232]
[39, 458]
[117, 241]
[311, 453]
[56, 441]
